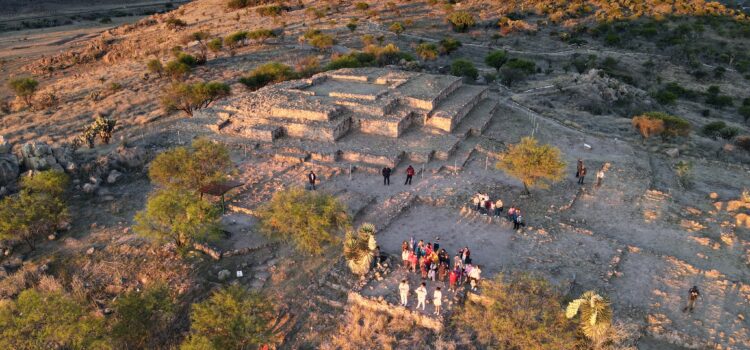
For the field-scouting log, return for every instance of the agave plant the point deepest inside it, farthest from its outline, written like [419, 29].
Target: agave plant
[359, 249]
[596, 314]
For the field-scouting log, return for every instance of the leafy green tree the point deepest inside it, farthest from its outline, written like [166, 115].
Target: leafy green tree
[49, 320]
[534, 164]
[464, 68]
[522, 312]
[271, 72]
[191, 97]
[24, 88]
[427, 51]
[232, 318]
[189, 169]
[595, 315]
[178, 216]
[359, 248]
[37, 210]
[496, 59]
[448, 45]
[142, 317]
[308, 219]
[461, 20]
[155, 66]
[397, 28]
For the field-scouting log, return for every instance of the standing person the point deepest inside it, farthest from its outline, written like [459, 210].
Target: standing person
[517, 220]
[311, 177]
[477, 200]
[437, 299]
[466, 255]
[386, 176]
[474, 276]
[452, 279]
[581, 175]
[579, 166]
[442, 271]
[498, 207]
[413, 261]
[433, 271]
[511, 213]
[488, 206]
[409, 175]
[693, 295]
[436, 245]
[421, 295]
[405, 258]
[599, 177]
[403, 289]
[423, 266]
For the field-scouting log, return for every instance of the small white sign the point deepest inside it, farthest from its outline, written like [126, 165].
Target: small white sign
[239, 273]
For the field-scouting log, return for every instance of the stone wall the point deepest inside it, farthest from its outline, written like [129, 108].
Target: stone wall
[419, 319]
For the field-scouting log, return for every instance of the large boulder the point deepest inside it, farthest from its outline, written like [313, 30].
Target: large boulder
[129, 157]
[5, 146]
[9, 169]
[39, 156]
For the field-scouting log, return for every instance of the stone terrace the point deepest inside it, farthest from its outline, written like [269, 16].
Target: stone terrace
[368, 117]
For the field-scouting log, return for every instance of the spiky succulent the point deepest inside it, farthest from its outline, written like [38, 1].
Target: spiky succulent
[359, 249]
[595, 312]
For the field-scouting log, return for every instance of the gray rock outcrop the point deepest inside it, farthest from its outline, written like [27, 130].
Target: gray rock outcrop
[9, 167]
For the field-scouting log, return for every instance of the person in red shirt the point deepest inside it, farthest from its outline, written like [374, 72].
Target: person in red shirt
[452, 279]
[413, 261]
[409, 175]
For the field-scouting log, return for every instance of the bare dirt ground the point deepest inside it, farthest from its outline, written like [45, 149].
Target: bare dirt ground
[641, 238]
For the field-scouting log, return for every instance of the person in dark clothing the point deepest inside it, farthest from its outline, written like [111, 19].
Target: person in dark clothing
[386, 176]
[436, 245]
[693, 295]
[581, 175]
[409, 175]
[311, 177]
[579, 167]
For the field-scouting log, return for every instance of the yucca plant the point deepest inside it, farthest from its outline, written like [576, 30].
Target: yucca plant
[359, 248]
[595, 312]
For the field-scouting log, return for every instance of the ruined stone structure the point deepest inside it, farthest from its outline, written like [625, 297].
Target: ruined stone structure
[369, 117]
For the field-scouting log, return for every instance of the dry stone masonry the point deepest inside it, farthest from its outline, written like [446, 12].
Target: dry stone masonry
[370, 117]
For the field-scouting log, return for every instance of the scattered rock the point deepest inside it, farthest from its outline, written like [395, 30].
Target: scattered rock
[673, 152]
[90, 251]
[114, 175]
[224, 275]
[89, 188]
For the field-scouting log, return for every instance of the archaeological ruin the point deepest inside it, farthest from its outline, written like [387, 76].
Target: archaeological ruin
[368, 117]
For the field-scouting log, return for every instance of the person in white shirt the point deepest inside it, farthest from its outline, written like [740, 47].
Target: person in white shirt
[474, 275]
[421, 295]
[437, 298]
[599, 177]
[403, 289]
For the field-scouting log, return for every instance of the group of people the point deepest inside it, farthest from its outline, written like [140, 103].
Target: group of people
[387, 171]
[581, 173]
[435, 264]
[486, 206]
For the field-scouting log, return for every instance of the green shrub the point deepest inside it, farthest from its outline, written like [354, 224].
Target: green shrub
[177, 70]
[155, 66]
[362, 6]
[232, 318]
[464, 68]
[664, 97]
[352, 26]
[519, 312]
[515, 70]
[308, 219]
[24, 88]
[744, 112]
[448, 45]
[427, 51]
[673, 125]
[261, 35]
[235, 40]
[236, 4]
[496, 59]
[190, 168]
[354, 59]
[388, 54]
[397, 28]
[187, 59]
[461, 20]
[215, 45]
[322, 41]
[271, 72]
[270, 11]
[713, 129]
[37, 210]
[141, 318]
[719, 101]
[173, 23]
[49, 320]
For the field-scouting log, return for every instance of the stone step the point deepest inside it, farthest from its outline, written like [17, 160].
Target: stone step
[391, 124]
[479, 118]
[329, 130]
[461, 156]
[455, 107]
